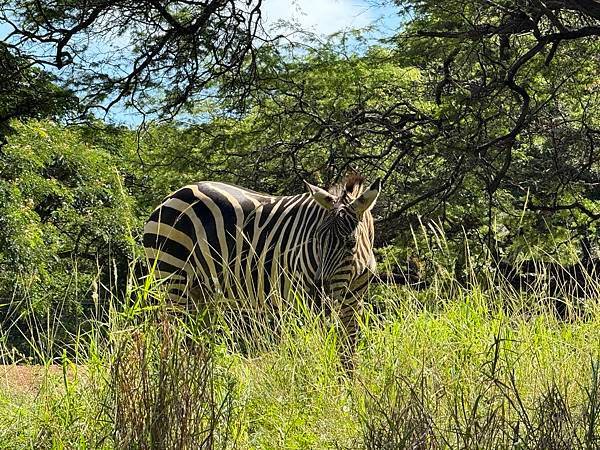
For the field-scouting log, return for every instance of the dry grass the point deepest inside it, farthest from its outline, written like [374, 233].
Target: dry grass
[451, 366]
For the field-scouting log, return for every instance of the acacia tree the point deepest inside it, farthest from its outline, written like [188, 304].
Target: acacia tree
[27, 92]
[152, 55]
[508, 63]
[473, 113]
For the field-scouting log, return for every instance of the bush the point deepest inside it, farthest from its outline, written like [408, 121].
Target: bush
[63, 212]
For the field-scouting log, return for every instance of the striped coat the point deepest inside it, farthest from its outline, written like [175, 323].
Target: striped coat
[216, 239]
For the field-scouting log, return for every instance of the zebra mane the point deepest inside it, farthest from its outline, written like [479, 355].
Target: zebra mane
[349, 188]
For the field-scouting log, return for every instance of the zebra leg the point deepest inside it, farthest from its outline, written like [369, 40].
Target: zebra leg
[350, 312]
[349, 319]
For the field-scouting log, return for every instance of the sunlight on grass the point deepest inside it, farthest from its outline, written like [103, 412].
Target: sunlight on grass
[449, 366]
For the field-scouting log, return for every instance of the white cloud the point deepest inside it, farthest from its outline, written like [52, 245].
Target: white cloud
[319, 16]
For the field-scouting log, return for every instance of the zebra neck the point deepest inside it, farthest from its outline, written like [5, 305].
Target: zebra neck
[301, 243]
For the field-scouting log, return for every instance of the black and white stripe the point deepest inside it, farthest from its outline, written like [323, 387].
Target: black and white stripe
[215, 239]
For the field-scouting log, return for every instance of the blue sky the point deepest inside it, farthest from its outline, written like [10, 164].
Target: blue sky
[322, 17]
[329, 16]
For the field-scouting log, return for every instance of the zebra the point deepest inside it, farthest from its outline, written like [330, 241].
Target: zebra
[213, 238]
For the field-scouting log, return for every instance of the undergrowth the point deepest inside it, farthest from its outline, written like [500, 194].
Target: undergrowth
[475, 365]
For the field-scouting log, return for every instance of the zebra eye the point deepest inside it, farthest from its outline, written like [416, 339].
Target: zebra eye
[350, 241]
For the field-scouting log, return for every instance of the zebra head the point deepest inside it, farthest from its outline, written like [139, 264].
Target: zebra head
[344, 236]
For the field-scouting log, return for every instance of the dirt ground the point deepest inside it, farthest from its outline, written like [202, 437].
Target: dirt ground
[27, 379]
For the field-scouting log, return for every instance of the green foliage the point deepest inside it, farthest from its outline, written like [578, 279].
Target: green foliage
[436, 369]
[63, 210]
[483, 119]
[495, 141]
[28, 92]
[168, 53]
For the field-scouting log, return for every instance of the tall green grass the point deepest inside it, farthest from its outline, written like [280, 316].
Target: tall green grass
[456, 365]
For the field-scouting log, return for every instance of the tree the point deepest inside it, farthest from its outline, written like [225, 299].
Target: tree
[65, 222]
[473, 113]
[168, 52]
[27, 92]
[517, 86]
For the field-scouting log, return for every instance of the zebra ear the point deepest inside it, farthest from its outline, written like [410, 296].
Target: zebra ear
[367, 199]
[321, 196]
